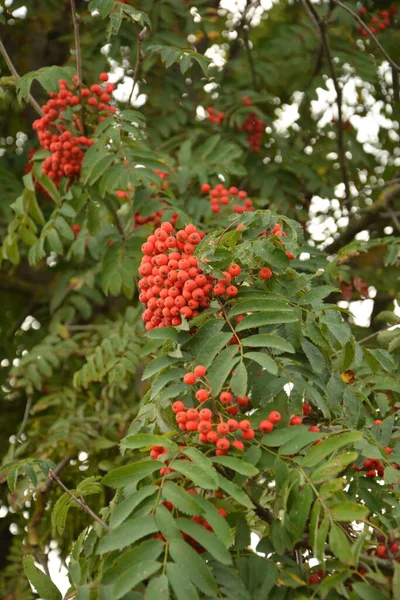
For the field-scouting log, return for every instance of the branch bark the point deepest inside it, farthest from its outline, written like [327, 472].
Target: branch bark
[16, 76]
[75, 21]
[322, 27]
[79, 502]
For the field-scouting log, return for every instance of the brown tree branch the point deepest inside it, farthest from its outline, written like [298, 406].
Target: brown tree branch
[139, 57]
[322, 27]
[79, 502]
[367, 29]
[25, 418]
[78, 55]
[16, 76]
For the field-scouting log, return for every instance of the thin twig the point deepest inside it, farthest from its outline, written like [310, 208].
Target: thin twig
[322, 27]
[21, 430]
[79, 502]
[372, 335]
[378, 186]
[75, 21]
[140, 37]
[16, 76]
[57, 470]
[250, 57]
[394, 218]
[367, 29]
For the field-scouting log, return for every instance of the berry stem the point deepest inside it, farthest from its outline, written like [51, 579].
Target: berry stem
[16, 76]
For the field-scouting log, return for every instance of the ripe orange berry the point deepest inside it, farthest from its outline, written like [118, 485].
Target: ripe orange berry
[200, 371]
[238, 444]
[178, 406]
[232, 424]
[381, 551]
[248, 434]
[205, 414]
[266, 426]
[190, 378]
[206, 187]
[296, 420]
[192, 414]
[223, 444]
[212, 437]
[234, 270]
[222, 429]
[232, 291]
[245, 425]
[103, 77]
[226, 397]
[243, 401]
[265, 273]
[274, 416]
[202, 395]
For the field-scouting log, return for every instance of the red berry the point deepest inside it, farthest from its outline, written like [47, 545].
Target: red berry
[232, 291]
[248, 434]
[222, 429]
[202, 395]
[314, 579]
[314, 428]
[178, 406]
[103, 77]
[238, 444]
[266, 426]
[76, 228]
[245, 425]
[226, 397]
[205, 414]
[296, 421]
[377, 422]
[234, 270]
[205, 188]
[265, 273]
[306, 408]
[200, 371]
[212, 437]
[274, 416]
[223, 444]
[190, 378]
[381, 551]
[232, 425]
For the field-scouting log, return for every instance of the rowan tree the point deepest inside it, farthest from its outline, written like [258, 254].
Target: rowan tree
[199, 328]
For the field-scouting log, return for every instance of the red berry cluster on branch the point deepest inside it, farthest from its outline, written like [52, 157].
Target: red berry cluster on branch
[372, 467]
[64, 136]
[378, 22]
[255, 129]
[216, 424]
[214, 116]
[224, 285]
[221, 196]
[392, 549]
[172, 282]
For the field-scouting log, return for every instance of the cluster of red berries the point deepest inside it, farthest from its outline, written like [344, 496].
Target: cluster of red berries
[394, 548]
[214, 116]
[255, 128]
[218, 426]
[316, 577]
[372, 467]
[64, 138]
[221, 196]
[172, 282]
[224, 285]
[377, 23]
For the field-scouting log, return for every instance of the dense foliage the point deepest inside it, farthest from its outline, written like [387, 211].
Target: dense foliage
[199, 202]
